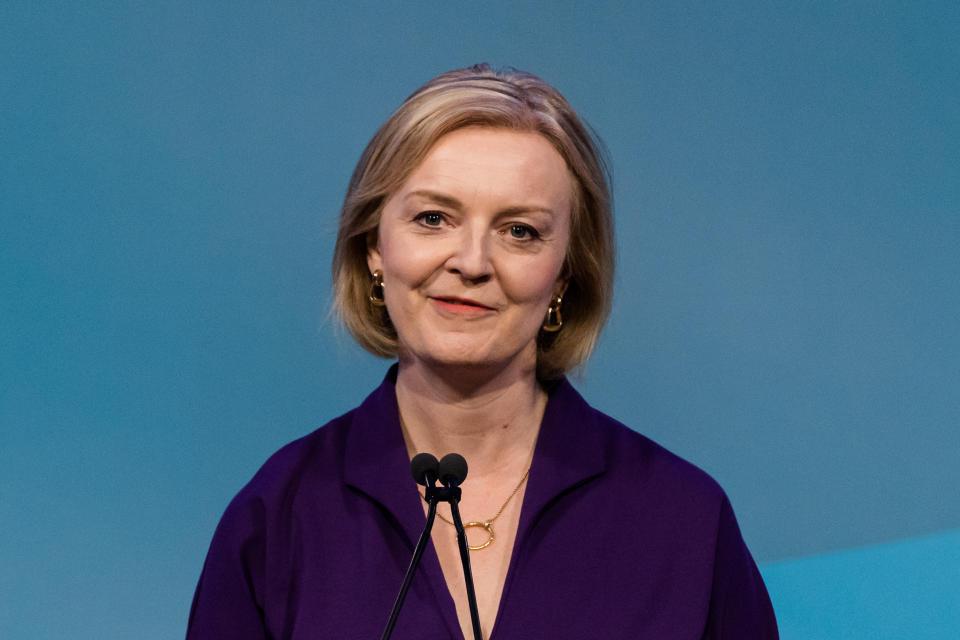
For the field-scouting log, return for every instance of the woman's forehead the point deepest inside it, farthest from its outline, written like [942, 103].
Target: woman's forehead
[485, 161]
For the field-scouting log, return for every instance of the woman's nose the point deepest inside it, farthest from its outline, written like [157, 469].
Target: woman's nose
[470, 257]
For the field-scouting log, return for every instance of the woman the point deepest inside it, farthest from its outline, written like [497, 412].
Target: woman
[476, 246]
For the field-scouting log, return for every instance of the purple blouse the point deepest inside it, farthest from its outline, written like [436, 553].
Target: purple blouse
[618, 538]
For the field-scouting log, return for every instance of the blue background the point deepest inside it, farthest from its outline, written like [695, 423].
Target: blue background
[787, 185]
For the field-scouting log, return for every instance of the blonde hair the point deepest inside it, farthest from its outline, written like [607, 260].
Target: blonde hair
[480, 96]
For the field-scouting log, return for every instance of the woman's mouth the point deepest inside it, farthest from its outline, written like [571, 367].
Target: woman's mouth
[462, 305]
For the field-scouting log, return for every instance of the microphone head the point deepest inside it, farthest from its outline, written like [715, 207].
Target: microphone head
[453, 469]
[423, 466]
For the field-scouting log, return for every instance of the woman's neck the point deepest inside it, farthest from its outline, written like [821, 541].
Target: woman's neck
[492, 420]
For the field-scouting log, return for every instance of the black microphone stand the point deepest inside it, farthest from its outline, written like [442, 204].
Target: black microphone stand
[434, 495]
[465, 560]
[412, 569]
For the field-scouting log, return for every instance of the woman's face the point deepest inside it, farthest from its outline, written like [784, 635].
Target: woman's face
[472, 246]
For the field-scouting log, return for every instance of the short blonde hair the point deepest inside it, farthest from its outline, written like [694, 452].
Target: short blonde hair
[480, 96]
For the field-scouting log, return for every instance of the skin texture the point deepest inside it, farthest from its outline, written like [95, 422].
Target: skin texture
[472, 248]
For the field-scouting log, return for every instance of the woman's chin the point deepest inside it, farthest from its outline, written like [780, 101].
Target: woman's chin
[470, 361]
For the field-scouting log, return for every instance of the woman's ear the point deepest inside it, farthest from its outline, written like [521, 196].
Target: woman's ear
[374, 260]
[561, 287]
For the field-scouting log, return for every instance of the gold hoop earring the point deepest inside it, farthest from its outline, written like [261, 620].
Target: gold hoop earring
[376, 289]
[554, 321]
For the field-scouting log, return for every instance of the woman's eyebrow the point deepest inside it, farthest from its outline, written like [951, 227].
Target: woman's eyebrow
[449, 201]
[511, 211]
[435, 196]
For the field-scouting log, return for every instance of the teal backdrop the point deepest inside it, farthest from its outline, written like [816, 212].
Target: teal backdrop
[787, 185]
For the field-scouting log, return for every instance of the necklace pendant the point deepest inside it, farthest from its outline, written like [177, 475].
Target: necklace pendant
[488, 527]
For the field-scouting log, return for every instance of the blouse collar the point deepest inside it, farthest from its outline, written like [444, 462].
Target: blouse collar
[570, 450]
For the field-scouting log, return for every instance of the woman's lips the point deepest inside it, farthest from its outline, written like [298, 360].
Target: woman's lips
[462, 305]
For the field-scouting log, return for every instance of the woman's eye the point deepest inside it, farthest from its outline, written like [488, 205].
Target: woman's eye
[522, 232]
[431, 218]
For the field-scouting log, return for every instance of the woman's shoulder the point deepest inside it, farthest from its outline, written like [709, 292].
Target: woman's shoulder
[317, 468]
[636, 454]
[306, 461]
[630, 457]
[681, 508]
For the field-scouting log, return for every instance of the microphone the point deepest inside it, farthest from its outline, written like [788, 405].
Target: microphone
[426, 470]
[451, 471]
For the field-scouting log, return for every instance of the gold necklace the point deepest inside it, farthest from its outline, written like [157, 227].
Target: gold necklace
[487, 524]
